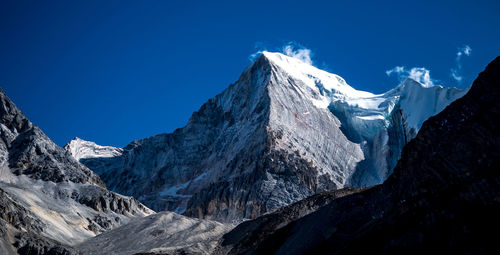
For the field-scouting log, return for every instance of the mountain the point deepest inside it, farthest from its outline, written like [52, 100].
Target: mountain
[443, 197]
[48, 200]
[284, 131]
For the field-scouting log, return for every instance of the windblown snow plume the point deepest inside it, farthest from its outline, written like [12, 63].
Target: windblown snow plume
[290, 49]
[302, 54]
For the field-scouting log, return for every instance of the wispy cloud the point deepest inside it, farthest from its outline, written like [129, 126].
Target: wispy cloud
[456, 72]
[420, 74]
[297, 51]
[291, 49]
[254, 55]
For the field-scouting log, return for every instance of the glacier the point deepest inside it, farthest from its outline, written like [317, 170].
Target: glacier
[370, 119]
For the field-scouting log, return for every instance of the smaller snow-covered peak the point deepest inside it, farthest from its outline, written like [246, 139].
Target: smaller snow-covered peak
[81, 149]
[420, 101]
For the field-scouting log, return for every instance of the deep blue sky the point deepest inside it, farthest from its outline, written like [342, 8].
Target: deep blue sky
[113, 72]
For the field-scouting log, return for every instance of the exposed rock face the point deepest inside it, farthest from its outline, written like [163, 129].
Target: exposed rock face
[48, 200]
[284, 131]
[444, 194]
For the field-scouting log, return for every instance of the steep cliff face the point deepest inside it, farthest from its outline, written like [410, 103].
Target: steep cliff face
[442, 197]
[284, 131]
[49, 200]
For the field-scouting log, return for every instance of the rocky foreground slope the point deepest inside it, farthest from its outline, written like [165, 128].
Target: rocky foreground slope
[444, 194]
[160, 233]
[284, 131]
[48, 200]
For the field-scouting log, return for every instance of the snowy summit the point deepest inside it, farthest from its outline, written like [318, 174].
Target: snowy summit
[81, 149]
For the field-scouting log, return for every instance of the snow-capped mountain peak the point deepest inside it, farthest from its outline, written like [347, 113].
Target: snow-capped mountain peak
[284, 131]
[81, 149]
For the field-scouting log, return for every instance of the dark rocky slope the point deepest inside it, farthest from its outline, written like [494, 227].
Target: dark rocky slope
[444, 194]
[250, 233]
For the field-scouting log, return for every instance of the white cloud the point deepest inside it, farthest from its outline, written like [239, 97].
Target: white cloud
[420, 74]
[290, 49]
[397, 70]
[301, 53]
[456, 72]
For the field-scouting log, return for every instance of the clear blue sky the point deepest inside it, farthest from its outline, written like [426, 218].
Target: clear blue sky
[115, 71]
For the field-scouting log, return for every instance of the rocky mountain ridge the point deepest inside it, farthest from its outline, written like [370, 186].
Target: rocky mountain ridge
[50, 201]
